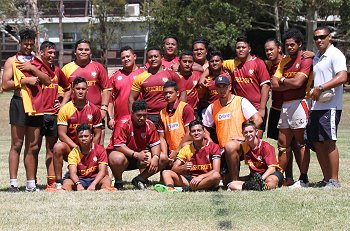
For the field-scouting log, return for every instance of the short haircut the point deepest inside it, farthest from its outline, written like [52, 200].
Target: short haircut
[171, 83]
[81, 41]
[215, 53]
[78, 80]
[278, 43]
[186, 53]
[139, 105]
[243, 39]
[200, 40]
[126, 48]
[47, 44]
[171, 36]
[247, 124]
[295, 34]
[325, 28]
[83, 127]
[27, 34]
[194, 123]
[154, 48]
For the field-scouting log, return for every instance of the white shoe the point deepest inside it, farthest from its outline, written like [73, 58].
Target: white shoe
[299, 184]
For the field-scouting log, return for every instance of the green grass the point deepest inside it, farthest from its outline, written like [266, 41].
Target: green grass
[309, 209]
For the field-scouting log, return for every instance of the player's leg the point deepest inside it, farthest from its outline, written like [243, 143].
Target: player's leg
[208, 183]
[68, 184]
[60, 153]
[232, 155]
[284, 140]
[172, 179]
[274, 180]
[118, 163]
[302, 156]
[17, 139]
[236, 185]
[51, 177]
[105, 183]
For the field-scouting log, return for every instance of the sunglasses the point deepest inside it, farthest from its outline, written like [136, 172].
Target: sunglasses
[320, 37]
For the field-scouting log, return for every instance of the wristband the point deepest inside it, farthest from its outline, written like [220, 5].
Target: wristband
[156, 156]
[133, 155]
[321, 88]
[282, 80]
[77, 183]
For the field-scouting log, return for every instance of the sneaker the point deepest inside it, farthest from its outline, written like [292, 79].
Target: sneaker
[119, 185]
[13, 189]
[299, 184]
[138, 183]
[51, 187]
[332, 184]
[288, 182]
[321, 184]
[32, 189]
[164, 188]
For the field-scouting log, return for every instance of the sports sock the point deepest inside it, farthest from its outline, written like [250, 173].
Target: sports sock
[51, 180]
[14, 182]
[170, 185]
[31, 184]
[304, 177]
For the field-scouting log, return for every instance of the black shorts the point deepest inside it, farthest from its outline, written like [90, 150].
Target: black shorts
[34, 121]
[188, 178]
[133, 163]
[49, 127]
[280, 177]
[272, 130]
[322, 125]
[16, 113]
[154, 118]
[103, 124]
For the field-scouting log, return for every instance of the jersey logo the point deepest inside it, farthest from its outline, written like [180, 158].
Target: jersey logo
[224, 116]
[259, 158]
[251, 71]
[89, 116]
[134, 76]
[143, 135]
[297, 65]
[165, 80]
[94, 159]
[195, 82]
[119, 77]
[132, 134]
[173, 126]
[93, 74]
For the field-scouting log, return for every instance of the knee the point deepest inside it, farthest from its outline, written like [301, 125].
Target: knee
[58, 149]
[116, 158]
[163, 161]
[166, 173]
[216, 176]
[17, 145]
[232, 148]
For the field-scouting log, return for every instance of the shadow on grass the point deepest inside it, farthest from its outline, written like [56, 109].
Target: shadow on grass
[221, 212]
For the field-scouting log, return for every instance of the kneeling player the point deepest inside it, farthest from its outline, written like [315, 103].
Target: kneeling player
[197, 165]
[87, 164]
[262, 162]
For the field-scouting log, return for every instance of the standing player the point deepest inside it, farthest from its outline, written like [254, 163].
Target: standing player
[25, 74]
[150, 84]
[174, 120]
[121, 82]
[200, 52]
[291, 78]
[135, 144]
[95, 74]
[330, 74]
[51, 106]
[197, 165]
[76, 112]
[262, 162]
[227, 114]
[87, 164]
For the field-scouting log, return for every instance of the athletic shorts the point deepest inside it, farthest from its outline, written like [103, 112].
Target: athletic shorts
[188, 177]
[16, 113]
[272, 130]
[34, 121]
[133, 163]
[294, 115]
[49, 127]
[154, 118]
[86, 182]
[323, 125]
[280, 177]
[103, 124]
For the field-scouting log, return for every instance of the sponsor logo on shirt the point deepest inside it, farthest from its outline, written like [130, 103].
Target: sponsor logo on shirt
[94, 159]
[165, 80]
[195, 82]
[143, 135]
[224, 116]
[297, 65]
[260, 158]
[93, 74]
[173, 126]
[119, 77]
[89, 116]
[251, 71]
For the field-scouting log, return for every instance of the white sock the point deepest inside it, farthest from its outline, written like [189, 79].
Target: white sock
[13, 182]
[31, 184]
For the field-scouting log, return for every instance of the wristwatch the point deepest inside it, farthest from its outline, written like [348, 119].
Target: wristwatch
[321, 88]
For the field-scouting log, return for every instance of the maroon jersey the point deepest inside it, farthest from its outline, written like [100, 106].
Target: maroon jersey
[190, 83]
[277, 99]
[248, 77]
[261, 158]
[151, 87]
[121, 82]
[201, 159]
[71, 117]
[135, 138]
[167, 64]
[95, 75]
[288, 68]
[50, 93]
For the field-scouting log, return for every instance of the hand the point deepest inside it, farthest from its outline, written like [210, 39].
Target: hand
[142, 156]
[103, 114]
[188, 166]
[195, 181]
[92, 187]
[26, 66]
[308, 54]
[261, 112]
[175, 67]
[80, 187]
[111, 124]
[171, 162]
[30, 81]
[153, 167]
[57, 105]
[203, 82]
[173, 154]
[315, 93]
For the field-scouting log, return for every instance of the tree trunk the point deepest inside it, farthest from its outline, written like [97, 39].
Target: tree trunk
[36, 18]
[277, 20]
[60, 32]
[311, 25]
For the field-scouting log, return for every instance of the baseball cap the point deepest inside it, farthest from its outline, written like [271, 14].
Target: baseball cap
[222, 80]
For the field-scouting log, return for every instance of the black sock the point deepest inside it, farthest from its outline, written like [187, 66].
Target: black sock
[170, 185]
[304, 178]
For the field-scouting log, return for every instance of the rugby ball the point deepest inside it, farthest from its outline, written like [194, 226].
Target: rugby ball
[325, 96]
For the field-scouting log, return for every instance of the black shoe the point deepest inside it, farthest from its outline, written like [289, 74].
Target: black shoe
[119, 185]
[13, 189]
[138, 183]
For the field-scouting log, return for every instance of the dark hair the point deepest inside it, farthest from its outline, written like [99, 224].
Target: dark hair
[171, 84]
[83, 127]
[194, 123]
[243, 39]
[278, 43]
[186, 53]
[27, 34]
[325, 28]
[47, 44]
[200, 40]
[139, 105]
[81, 41]
[248, 123]
[215, 53]
[295, 34]
[171, 36]
[78, 80]
[152, 48]
[126, 48]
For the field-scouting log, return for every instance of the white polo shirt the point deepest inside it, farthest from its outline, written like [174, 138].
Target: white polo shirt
[325, 67]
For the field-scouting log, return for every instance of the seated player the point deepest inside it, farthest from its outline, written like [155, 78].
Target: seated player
[135, 144]
[262, 162]
[197, 166]
[87, 164]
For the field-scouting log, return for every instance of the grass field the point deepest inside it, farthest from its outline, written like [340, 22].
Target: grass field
[281, 209]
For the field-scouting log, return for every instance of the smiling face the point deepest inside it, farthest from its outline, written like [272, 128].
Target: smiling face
[128, 59]
[322, 39]
[197, 132]
[170, 47]
[27, 46]
[48, 55]
[83, 52]
[154, 58]
[249, 133]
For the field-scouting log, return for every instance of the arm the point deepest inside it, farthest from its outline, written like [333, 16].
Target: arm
[27, 66]
[105, 101]
[142, 156]
[256, 118]
[97, 135]
[163, 143]
[216, 168]
[7, 76]
[66, 97]
[296, 82]
[74, 177]
[183, 96]
[276, 85]
[264, 96]
[268, 172]
[182, 168]
[132, 97]
[339, 78]
[155, 156]
[62, 135]
[203, 79]
[102, 168]
[110, 117]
